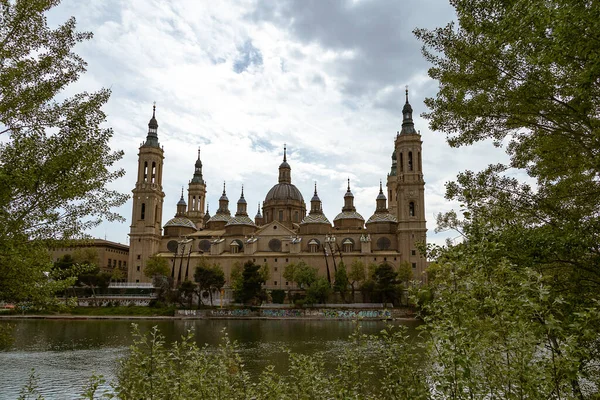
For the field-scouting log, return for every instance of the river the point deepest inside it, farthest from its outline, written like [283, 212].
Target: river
[64, 353]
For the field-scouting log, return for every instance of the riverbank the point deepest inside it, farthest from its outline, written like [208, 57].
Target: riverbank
[146, 313]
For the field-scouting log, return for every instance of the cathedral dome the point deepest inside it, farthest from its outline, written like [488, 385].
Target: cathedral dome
[284, 191]
[180, 222]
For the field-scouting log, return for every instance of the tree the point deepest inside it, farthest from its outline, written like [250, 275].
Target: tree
[386, 283]
[186, 292]
[209, 278]
[341, 281]
[55, 162]
[301, 273]
[524, 75]
[156, 265]
[251, 284]
[319, 291]
[356, 275]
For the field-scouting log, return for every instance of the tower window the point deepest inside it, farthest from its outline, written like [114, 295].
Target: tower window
[153, 172]
[410, 161]
[145, 171]
[419, 161]
[143, 213]
[411, 209]
[401, 163]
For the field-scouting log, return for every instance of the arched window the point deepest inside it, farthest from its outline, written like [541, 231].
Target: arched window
[153, 172]
[280, 215]
[410, 161]
[193, 203]
[296, 216]
[143, 213]
[145, 171]
[419, 161]
[401, 163]
[411, 209]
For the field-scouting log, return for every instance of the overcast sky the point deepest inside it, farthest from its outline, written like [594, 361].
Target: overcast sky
[242, 78]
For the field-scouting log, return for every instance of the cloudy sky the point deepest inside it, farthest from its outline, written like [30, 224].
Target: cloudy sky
[241, 78]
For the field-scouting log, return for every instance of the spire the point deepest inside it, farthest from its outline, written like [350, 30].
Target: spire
[181, 200]
[381, 195]
[408, 126]
[285, 171]
[198, 170]
[223, 203]
[181, 205]
[241, 205]
[315, 196]
[348, 193]
[258, 214]
[152, 138]
[224, 195]
[242, 199]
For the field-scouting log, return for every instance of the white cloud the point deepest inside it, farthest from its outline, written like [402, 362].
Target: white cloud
[182, 55]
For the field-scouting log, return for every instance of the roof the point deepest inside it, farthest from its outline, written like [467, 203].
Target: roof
[240, 220]
[382, 217]
[284, 191]
[348, 215]
[315, 218]
[181, 222]
[220, 217]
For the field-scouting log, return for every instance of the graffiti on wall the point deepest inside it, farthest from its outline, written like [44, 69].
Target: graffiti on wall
[326, 313]
[244, 312]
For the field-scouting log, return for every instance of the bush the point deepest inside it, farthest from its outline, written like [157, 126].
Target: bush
[278, 296]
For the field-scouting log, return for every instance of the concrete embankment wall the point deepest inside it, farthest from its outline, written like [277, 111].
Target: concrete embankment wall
[298, 313]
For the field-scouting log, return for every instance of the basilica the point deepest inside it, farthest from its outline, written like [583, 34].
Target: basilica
[284, 231]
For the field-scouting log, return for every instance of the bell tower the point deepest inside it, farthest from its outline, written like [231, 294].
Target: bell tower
[146, 221]
[410, 190]
[197, 195]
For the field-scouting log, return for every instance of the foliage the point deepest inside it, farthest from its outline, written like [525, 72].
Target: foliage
[518, 298]
[301, 273]
[385, 284]
[54, 163]
[157, 265]
[404, 273]
[186, 292]
[341, 281]
[182, 370]
[278, 296]
[497, 329]
[356, 274]
[209, 278]
[318, 292]
[250, 290]
[265, 272]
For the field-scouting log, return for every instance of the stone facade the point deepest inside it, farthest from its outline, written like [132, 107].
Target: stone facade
[111, 255]
[283, 233]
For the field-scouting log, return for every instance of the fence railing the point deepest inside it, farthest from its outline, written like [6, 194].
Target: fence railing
[131, 285]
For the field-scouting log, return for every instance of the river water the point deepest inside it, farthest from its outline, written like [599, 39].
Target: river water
[65, 353]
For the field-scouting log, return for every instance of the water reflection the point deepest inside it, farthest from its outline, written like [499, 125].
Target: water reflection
[65, 353]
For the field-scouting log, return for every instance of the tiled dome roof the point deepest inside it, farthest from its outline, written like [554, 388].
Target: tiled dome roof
[348, 215]
[382, 217]
[180, 221]
[240, 220]
[220, 217]
[315, 218]
[284, 191]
